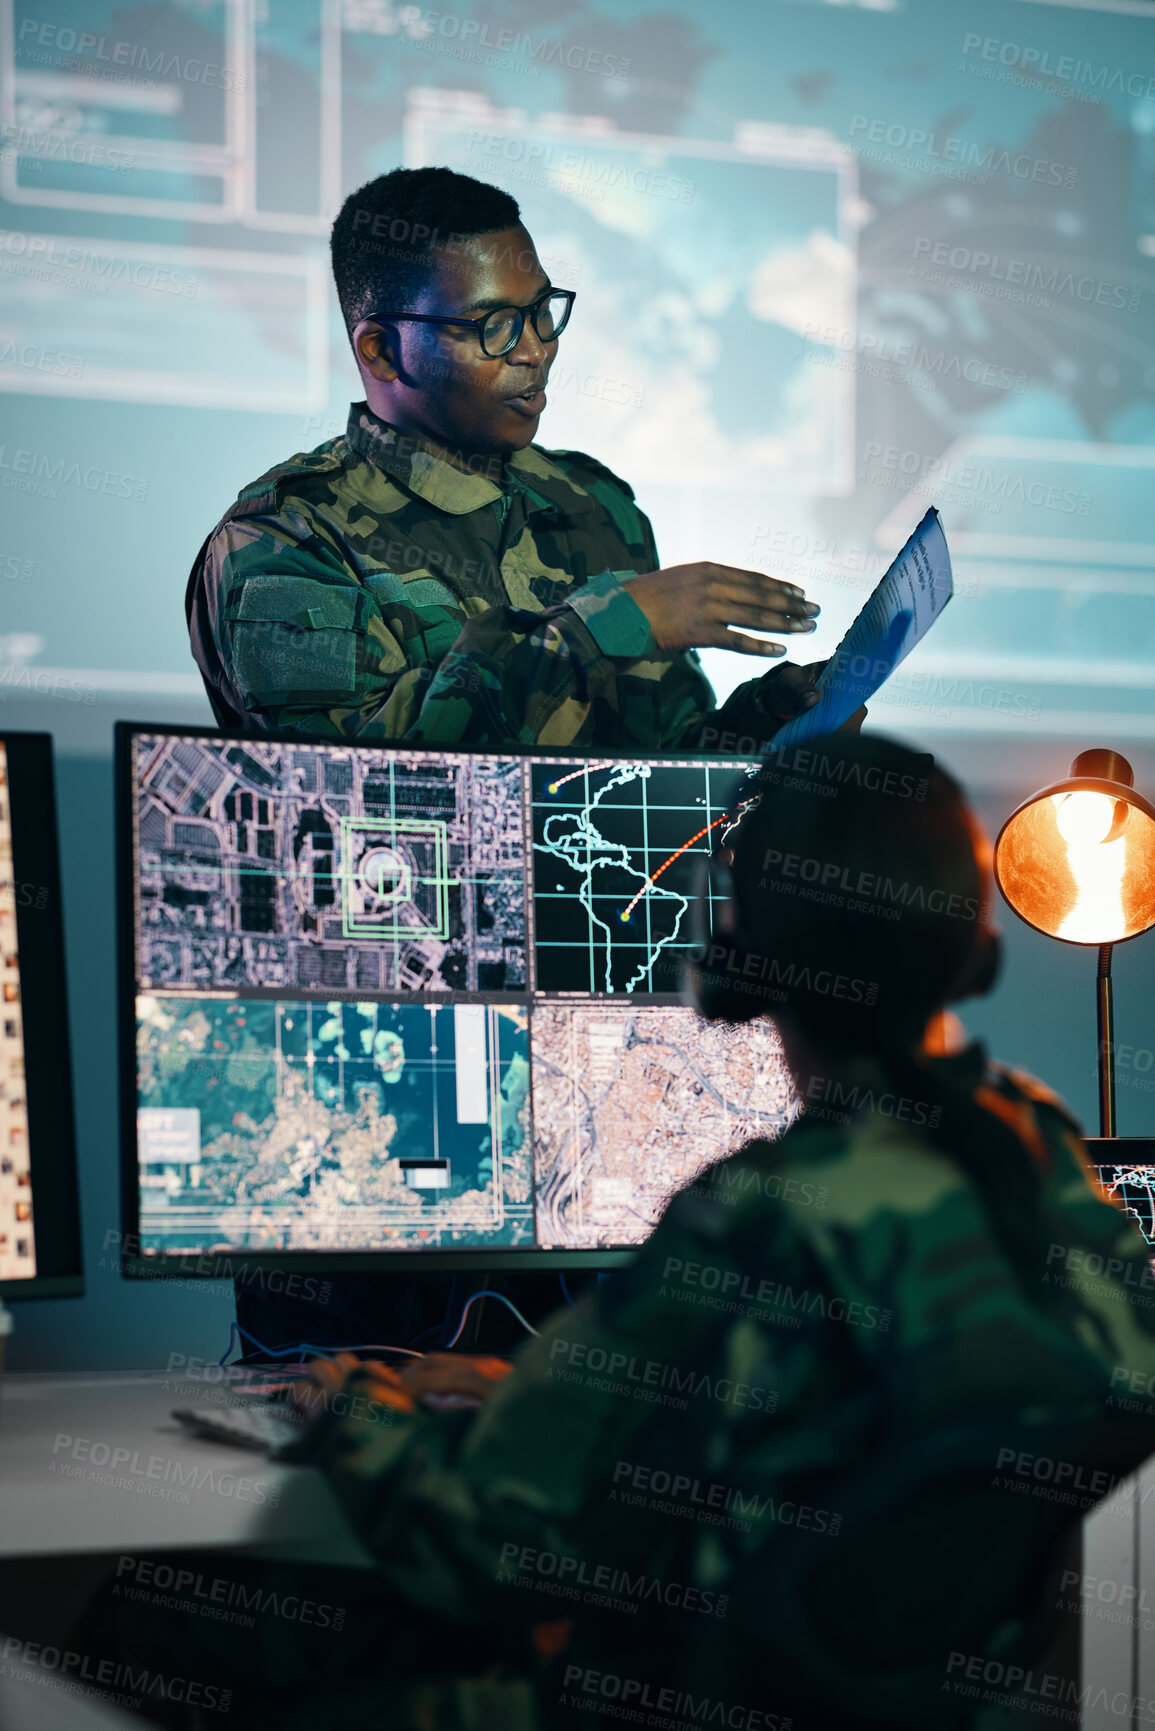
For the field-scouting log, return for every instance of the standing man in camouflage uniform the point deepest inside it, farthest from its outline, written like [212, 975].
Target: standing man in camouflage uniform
[435, 577]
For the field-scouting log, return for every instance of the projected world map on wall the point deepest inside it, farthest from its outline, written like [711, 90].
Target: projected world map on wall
[832, 264]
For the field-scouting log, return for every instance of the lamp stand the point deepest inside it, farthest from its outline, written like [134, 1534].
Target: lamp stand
[1106, 1008]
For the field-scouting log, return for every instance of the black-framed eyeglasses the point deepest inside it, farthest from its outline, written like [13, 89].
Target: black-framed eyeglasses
[500, 331]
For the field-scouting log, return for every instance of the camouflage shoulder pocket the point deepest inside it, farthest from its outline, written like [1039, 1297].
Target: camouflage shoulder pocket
[296, 639]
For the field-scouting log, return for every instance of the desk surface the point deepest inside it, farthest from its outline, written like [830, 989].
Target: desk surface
[94, 1462]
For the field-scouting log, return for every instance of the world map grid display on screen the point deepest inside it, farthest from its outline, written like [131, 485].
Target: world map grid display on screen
[404, 999]
[1134, 1188]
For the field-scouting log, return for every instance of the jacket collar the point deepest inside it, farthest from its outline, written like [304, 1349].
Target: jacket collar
[447, 488]
[869, 1073]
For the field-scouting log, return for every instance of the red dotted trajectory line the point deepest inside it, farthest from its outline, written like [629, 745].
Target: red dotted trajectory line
[650, 882]
[586, 768]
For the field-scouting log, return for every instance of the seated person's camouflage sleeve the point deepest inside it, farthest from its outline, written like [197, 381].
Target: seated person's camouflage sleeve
[303, 646]
[520, 1499]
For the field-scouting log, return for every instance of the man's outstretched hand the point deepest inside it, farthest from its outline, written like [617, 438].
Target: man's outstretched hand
[695, 606]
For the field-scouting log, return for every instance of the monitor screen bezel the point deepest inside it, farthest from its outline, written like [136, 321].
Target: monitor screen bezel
[31, 795]
[227, 1264]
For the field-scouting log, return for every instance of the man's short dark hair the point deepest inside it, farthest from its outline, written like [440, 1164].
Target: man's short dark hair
[385, 234]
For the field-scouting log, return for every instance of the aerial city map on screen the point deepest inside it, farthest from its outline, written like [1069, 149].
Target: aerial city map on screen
[405, 999]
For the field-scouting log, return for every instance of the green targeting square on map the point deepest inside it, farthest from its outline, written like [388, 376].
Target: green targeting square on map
[283, 866]
[389, 865]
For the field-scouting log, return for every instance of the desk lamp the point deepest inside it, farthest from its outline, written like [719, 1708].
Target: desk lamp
[1077, 861]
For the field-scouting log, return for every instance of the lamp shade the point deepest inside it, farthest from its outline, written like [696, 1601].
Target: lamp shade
[1077, 859]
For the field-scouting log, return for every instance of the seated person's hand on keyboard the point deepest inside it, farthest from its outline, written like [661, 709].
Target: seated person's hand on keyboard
[454, 1378]
[327, 1377]
[440, 1379]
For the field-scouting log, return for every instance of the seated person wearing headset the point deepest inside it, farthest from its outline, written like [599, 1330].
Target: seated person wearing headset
[777, 1463]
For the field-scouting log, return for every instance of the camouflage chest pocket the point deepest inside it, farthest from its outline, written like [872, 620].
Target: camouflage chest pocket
[295, 638]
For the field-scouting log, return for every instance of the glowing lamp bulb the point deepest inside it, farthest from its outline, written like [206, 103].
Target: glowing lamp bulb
[1085, 818]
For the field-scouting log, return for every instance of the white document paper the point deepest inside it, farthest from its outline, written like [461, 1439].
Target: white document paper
[900, 612]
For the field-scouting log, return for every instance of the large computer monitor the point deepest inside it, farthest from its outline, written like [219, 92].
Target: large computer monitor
[415, 1005]
[39, 1210]
[1126, 1168]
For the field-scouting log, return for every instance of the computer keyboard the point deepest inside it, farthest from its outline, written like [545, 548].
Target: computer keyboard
[259, 1424]
[267, 1425]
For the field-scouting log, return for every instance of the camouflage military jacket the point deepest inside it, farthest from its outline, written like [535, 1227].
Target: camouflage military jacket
[370, 590]
[685, 1444]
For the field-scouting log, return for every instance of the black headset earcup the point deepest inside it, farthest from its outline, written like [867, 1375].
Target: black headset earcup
[981, 968]
[717, 986]
[716, 974]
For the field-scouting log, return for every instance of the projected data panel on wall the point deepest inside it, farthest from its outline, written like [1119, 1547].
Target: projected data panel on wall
[206, 118]
[702, 265]
[98, 318]
[833, 264]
